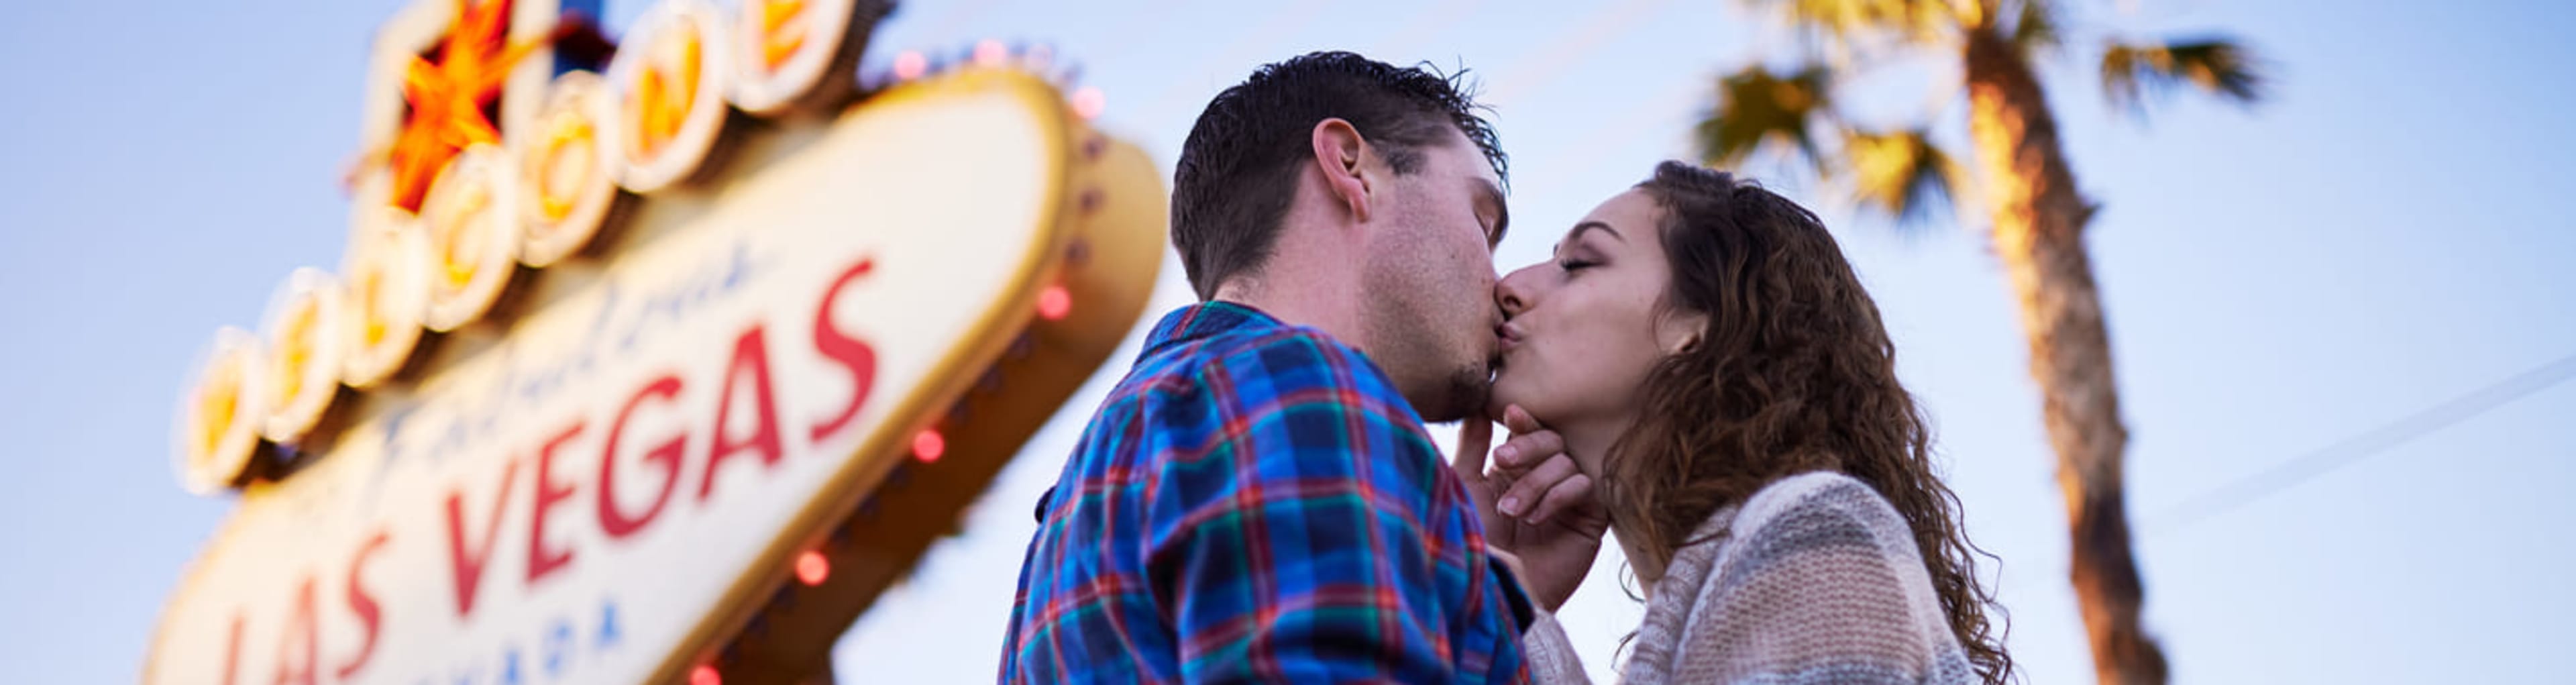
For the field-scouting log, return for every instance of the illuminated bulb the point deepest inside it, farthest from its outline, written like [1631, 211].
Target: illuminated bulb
[990, 53]
[910, 65]
[812, 568]
[1088, 102]
[1054, 303]
[928, 445]
[705, 675]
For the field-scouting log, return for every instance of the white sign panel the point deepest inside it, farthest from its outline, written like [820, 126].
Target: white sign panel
[572, 499]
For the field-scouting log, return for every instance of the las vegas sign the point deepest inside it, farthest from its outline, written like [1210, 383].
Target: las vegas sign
[658, 370]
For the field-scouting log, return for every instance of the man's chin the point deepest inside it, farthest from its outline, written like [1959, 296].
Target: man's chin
[1466, 395]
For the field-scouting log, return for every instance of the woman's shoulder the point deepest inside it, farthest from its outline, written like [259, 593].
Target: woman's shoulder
[1819, 580]
[1819, 511]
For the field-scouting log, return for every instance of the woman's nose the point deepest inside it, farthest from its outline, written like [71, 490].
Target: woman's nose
[1512, 294]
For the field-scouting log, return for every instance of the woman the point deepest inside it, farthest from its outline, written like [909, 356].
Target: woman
[1716, 371]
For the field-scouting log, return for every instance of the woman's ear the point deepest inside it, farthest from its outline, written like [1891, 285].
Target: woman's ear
[1339, 154]
[1681, 333]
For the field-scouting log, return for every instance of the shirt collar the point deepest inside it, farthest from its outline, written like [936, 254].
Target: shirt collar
[1204, 320]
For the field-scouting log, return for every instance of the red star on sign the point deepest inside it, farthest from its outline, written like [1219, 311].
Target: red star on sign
[448, 96]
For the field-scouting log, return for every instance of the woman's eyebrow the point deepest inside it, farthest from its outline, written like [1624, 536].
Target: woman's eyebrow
[1591, 225]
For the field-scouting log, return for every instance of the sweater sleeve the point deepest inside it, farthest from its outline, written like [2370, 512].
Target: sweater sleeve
[1825, 589]
[1550, 653]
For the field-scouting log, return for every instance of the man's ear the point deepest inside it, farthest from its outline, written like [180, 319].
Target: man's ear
[1338, 153]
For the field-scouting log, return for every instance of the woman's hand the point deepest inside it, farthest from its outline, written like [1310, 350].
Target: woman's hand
[1535, 503]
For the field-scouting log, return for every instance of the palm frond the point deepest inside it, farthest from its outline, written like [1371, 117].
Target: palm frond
[1756, 106]
[2036, 30]
[1913, 20]
[2133, 72]
[1901, 173]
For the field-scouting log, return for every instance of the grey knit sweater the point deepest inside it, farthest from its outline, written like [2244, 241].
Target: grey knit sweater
[1814, 579]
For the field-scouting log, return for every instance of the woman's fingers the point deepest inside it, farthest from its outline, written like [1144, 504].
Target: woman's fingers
[1518, 420]
[1530, 444]
[1526, 493]
[1567, 494]
[1526, 450]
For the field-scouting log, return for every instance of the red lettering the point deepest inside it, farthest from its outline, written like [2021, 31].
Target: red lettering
[298, 652]
[370, 614]
[750, 353]
[853, 354]
[618, 524]
[543, 561]
[469, 565]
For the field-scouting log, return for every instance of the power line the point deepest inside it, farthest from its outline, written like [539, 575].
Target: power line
[1539, 68]
[1673, 103]
[1534, 73]
[1278, 26]
[2352, 450]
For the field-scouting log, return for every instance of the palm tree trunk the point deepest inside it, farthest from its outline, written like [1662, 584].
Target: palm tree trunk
[2039, 221]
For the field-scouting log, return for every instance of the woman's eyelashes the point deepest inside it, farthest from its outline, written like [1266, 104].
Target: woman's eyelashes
[1575, 260]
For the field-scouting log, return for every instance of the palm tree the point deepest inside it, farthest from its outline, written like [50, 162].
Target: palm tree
[2036, 213]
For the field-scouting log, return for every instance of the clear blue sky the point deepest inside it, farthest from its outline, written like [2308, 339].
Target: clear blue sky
[2387, 233]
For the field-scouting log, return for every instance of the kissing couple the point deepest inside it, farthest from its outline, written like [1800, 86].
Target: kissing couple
[1697, 369]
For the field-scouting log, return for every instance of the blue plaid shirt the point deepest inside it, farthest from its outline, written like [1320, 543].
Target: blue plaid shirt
[1255, 503]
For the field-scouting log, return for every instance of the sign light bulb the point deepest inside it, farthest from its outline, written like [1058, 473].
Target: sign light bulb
[1088, 102]
[812, 568]
[1054, 303]
[911, 65]
[928, 445]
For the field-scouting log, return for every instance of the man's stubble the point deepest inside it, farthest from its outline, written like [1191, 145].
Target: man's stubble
[1428, 339]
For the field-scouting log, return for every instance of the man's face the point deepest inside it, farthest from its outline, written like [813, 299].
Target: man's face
[1429, 279]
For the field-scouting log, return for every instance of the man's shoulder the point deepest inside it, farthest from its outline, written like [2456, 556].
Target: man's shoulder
[1272, 362]
[1290, 399]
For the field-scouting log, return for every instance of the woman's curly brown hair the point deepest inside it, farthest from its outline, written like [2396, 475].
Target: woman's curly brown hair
[1795, 374]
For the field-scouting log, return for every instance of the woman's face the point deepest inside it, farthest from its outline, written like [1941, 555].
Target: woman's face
[1583, 331]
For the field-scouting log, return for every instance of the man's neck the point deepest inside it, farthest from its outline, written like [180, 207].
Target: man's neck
[1324, 304]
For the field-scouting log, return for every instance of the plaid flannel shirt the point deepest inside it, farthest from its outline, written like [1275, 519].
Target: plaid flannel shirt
[1255, 503]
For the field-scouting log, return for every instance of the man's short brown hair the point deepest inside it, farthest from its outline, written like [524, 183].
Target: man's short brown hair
[1238, 169]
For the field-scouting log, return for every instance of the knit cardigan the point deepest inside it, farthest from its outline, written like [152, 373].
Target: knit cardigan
[1814, 579]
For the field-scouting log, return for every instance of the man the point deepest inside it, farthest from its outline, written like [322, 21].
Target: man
[1257, 500]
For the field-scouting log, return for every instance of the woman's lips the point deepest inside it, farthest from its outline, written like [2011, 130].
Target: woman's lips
[1507, 336]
